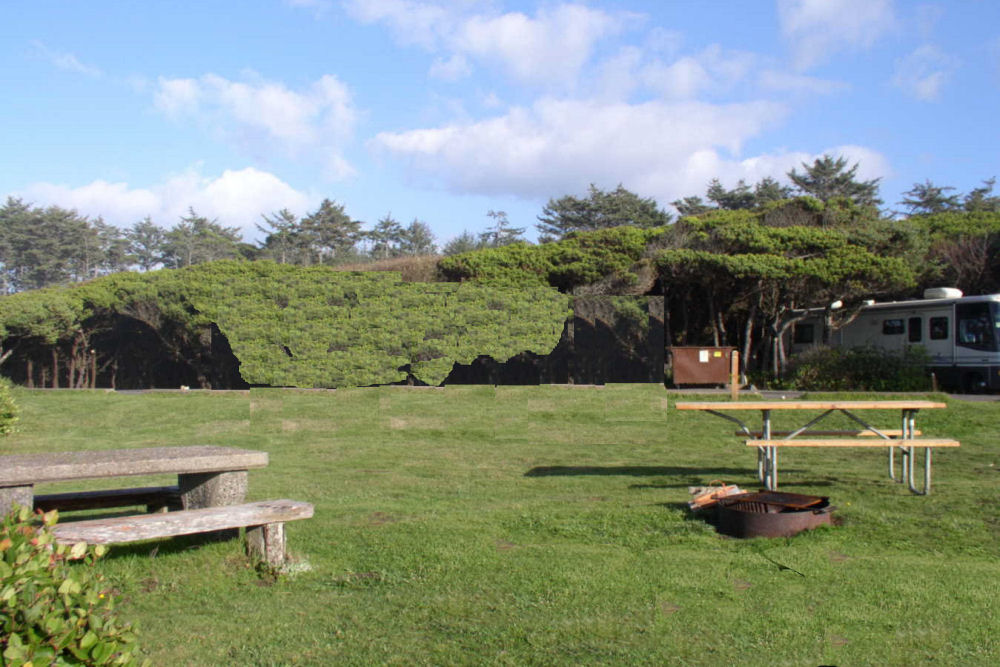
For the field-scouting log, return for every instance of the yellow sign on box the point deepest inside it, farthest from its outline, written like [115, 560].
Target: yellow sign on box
[716, 354]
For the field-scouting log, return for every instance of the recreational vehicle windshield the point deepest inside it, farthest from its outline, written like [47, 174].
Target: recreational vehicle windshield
[961, 334]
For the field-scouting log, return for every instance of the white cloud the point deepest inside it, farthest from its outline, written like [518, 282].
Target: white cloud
[797, 83]
[659, 149]
[547, 48]
[922, 73]
[817, 29]
[264, 115]
[550, 47]
[454, 68]
[420, 23]
[65, 61]
[236, 197]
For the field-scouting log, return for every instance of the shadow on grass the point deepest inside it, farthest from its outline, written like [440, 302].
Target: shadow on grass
[639, 471]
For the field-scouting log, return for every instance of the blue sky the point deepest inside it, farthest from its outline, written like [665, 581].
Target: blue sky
[445, 110]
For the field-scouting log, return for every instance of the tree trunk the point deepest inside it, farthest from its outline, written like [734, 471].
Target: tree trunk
[55, 368]
[747, 342]
[30, 373]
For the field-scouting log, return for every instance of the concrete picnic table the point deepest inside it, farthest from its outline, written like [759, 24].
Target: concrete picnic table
[767, 441]
[207, 476]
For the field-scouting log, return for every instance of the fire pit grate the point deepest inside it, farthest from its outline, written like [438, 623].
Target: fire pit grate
[771, 514]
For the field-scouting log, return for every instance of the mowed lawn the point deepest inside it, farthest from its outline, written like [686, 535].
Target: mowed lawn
[545, 525]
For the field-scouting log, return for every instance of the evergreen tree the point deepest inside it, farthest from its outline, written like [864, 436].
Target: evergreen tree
[196, 239]
[331, 234]
[599, 210]
[417, 239]
[768, 190]
[284, 240]
[828, 177]
[145, 243]
[500, 233]
[386, 238]
[740, 197]
[982, 199]
[928, 198]
[464, 242]
[690, 206]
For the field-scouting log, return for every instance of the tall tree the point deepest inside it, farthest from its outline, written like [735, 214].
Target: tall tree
[740, 197]
[417, 239]
[332, 235]
[769, 190]
[982, 198]
[145, 243]
[925, 198]
[599, 210]
[386, 237]
[500, 233]
[284, 240]
[464, 242]
[828, 177]
[196, 239]
[690, 206]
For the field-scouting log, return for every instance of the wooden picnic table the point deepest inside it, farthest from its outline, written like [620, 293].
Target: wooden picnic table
[767, 441]
[207, 476]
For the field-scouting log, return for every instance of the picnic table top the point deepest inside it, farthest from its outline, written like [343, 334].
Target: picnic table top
[812, 405]
[26, 469]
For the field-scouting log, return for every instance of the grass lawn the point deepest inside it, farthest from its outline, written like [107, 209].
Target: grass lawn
[546, 525]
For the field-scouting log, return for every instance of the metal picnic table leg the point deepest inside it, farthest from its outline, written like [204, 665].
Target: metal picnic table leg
[770, 455]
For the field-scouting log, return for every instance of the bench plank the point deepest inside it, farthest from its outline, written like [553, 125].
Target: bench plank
[116, 530]
[863, 433]
[810, 405]
[865, 442]
[155, 496]
[28, 469]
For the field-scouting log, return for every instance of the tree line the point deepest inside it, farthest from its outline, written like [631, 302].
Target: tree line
[53, 245]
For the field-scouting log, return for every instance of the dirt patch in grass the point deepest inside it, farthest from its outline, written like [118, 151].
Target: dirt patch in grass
[381, 518]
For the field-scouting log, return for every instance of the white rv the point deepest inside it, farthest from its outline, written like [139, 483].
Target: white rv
[960, 333]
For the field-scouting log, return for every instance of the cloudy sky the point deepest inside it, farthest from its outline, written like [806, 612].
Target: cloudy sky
[443, 110]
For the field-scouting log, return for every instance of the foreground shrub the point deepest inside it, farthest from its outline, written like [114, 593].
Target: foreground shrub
[860, 369]
[52, 612]
[8, 408]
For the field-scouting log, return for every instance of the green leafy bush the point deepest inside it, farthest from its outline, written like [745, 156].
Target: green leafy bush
[860, 369]
[53, 612]
[8, 408]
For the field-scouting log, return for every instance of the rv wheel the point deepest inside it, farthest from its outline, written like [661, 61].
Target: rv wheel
[972, 383]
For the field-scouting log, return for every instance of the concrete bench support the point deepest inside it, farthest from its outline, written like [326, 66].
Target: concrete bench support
[206, 489]
[264, 522]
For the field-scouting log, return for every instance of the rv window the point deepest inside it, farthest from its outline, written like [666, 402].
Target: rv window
[976, 326]
[892, 327]
[803, 334]
[915, 328]
[939, 328]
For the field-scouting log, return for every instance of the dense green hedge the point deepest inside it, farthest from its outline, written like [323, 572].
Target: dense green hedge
[315, 327]
[305, 326]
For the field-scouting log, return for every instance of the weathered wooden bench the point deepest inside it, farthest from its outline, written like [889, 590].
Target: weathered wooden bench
[264, 521]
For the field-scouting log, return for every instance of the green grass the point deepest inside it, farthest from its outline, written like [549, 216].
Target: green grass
[546, 525]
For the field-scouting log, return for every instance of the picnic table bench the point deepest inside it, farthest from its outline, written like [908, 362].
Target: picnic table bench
[209, 494]
[767, 441]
